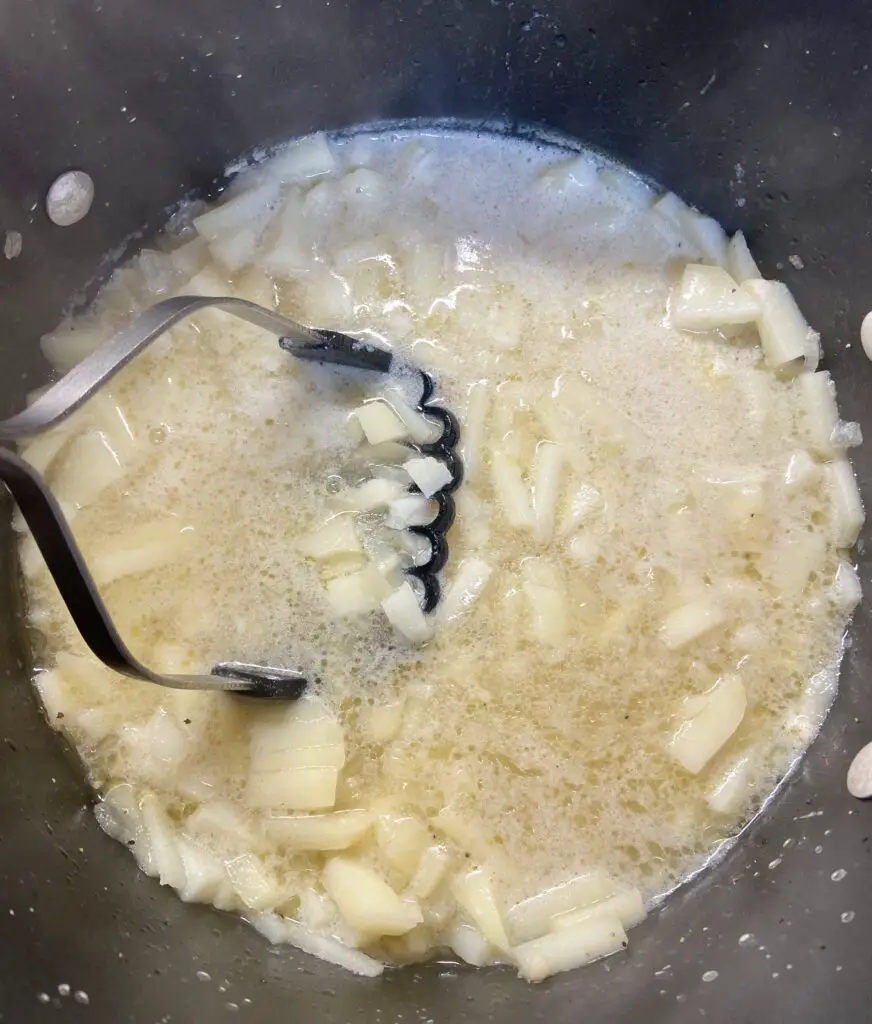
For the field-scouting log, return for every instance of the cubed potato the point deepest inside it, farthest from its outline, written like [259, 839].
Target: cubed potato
[366, 901]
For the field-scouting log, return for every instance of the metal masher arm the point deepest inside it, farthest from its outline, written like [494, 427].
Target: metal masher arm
[50, 529]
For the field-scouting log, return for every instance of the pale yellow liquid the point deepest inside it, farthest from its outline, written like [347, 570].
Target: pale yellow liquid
[556, 754]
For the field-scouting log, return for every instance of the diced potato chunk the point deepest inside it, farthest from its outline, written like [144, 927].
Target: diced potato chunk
[740, 262]
[847, 506]
[380, 423]
[846, 591]
[464, 589]
[592, 939]
[691, 621]
[89, 466]
[532, 917]
[627, 905]
[431, 870]
[359, 593]
[366, 901]
[377, 493]
[802, 471]
[405, 614]
[336, 538]
[475, 897]
[141, 549]
[547, 477]
[708, 722]
[304, 159]
[251, 882]
[410, 510]
[733, 786]
[278, 929]
[402, 839]
[234, 229]
[545, 590]
[785, 336]
[158, 847]
[470, 945]
[708, 297]
[335, 831]
[429, 474]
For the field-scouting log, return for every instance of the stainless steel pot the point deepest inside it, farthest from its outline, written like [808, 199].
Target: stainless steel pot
[757, 111]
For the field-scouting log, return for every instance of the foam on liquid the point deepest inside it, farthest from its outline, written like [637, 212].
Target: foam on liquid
[558, 757]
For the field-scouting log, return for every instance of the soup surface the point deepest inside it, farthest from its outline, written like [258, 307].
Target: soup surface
[647, 583]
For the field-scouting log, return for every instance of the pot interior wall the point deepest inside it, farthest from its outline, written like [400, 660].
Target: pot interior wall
[757, 111]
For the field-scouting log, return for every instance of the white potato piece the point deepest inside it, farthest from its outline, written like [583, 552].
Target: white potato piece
[370, 495]
[410, 510]
[707, 723]
[402, 839]
[818, 394]
[545, 589]
[429, 474]
[158, 845]
[846, 592]
[733, 785]
[704, 233]
[292, 253]
[251, 882]
[217, 819]
[475, 897]
[708, 297]
[474, 427]
[801, 472]
[467, 835]
[788, 342]
[334, 831]
[584, 550]
[419, 427]
[405, 614]
[463, 590]
[592, 939]
[307, 158]
[794, 558]
[234, 229]
[336, 538]
[44, 449]
[298, 789]
[68, 344]
[576, 172]
[627, 905]
[204, 873]
[740, 262]
[691, 621]
[432, 868]
[294, 758]
[532, 917]
[512, 493]
[359, 593]
[89, 466]
[141, 549]
[547, 476]
[366, 901]
[470, 945]
[155, 748]
[380, 423]
[279, 929]
[847, 505]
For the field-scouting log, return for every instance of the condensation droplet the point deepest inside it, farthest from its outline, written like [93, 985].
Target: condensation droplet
[69, 198]
[203, 976]
[838, 875]
[710, 976]
[43, 997]
[774, 863]
[748, 939]
[63, 990]
[847, 917]
[81, 997]
[12, 244]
